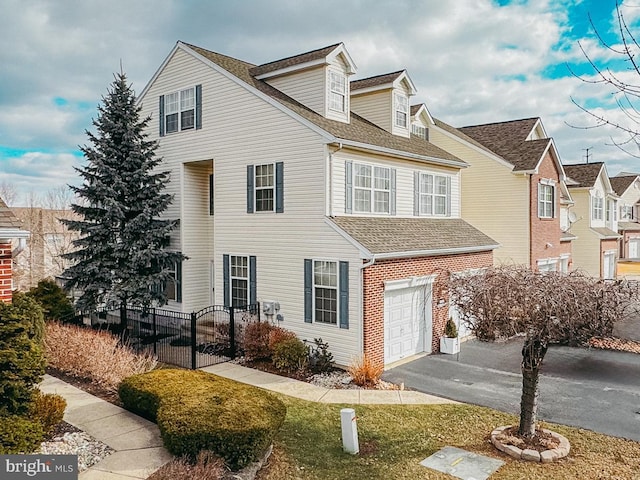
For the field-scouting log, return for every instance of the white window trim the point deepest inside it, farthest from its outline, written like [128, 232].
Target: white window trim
[419, 130]
[400, 105]
[313, 292]
[179, 110]
[546, 262]
[234, 277]
[337, 92]
[372, 189]
[173, 271]
[391, 285]
[597, 208]
[433, 195]
[256, 188]
[545, 183]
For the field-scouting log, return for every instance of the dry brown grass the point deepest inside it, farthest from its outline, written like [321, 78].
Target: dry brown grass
[364, 372]
[96, 355]
[206, 467]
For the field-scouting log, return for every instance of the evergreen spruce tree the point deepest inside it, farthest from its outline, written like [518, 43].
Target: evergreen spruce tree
[122, 256]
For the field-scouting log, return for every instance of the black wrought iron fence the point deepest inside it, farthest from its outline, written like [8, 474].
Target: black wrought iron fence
[189, 340]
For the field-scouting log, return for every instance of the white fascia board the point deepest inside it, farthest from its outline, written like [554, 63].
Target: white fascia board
[157, 73]
[400, 153]
[364, 252]
[375, 88]
[435, 253]
[423, 110]
[11, 233]
[292, 68]
[489, 154]
[323, 133]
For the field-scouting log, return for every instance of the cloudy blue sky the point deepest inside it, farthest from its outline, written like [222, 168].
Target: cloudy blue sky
[473, 61]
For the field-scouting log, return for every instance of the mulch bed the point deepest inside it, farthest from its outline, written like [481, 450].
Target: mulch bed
[540, 442]
[86, 385]
[612, 343]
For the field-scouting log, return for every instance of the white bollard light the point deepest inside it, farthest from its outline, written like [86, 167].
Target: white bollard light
[349, 431]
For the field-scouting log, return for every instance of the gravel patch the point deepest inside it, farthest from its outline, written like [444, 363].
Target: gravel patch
[73, 441]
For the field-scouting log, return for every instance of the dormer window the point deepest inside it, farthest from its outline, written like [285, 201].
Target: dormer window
[337, 92]
[401, 110]
[420, 131]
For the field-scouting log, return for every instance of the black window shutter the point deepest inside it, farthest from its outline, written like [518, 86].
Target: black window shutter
[225, 280]
[253, 299]
[198, 107]
[308, 290]
[250, 177]
[344, 295]
[348, 187]
[279, 187]
[161, 115]
[179, 281]
[211, 194]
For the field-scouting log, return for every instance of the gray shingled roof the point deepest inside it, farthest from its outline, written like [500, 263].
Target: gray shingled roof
[8, 221]
[621, 183]
[376, 80]
[358, 130]
[293, 60]
[585, 174]
[509, 140]
[384, 235]
[627, 226]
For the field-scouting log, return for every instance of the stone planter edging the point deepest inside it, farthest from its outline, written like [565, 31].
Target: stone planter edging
[547, 456]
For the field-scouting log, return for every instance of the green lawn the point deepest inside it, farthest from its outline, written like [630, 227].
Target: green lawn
[394, 439]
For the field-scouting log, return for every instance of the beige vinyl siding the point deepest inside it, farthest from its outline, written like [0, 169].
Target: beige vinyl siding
[376, 107]
[493, 199]
[586, 247]
[240, 129]
[404, 181]
[307, 87]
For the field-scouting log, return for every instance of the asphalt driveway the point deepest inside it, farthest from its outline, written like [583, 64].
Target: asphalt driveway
[594, 389]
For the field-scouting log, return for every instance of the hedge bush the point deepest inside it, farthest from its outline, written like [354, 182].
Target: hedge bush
[48, 409]
[256, 341]
[53, 300]
[19, 435]
[21, 353]
[197, 411]
[291, 355]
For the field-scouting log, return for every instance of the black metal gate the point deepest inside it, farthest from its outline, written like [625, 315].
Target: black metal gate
[190, 340]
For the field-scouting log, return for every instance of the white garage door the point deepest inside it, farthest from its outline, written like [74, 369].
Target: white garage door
[407, 317]
[634, 250]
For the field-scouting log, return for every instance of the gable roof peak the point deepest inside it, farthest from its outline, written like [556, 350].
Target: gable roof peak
[383, 81]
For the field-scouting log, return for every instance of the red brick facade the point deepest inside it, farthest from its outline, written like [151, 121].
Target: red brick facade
[624, 242]
[385, 270]
[545, 232]
[606, 245]
[5, 272]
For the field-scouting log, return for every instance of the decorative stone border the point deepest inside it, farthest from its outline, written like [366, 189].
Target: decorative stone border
[547, 456]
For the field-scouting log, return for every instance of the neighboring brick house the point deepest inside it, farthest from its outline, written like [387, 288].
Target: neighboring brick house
[10, 230]
[515, 189]
[595, 250]
[307, 192]
[49, 240]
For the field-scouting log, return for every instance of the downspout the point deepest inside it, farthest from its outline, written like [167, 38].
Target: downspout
[362, 267]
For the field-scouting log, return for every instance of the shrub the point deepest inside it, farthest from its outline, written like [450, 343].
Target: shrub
[256, 341]
[278, 335]
[95, 355]
[364, 372]
[19, 435]
[197, 411]
[21, 353]
[48, 409]
[320, 358]
[450, 329]
[291, 355]
[206, 467]
[53, 300]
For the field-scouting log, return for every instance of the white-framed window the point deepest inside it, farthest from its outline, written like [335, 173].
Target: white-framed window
[179, 110]
[337, 92]
[401, 110]
[371, 188]
[325, 291]
[420, 131]
[626, 212]
[597, 205]
[611, 214]
[434, 194]
[265, 187]
[172, 285]
[239, 280]
[546, 200]
[547, 265]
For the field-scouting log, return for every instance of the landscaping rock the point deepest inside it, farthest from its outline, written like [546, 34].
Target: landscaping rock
[530, 455]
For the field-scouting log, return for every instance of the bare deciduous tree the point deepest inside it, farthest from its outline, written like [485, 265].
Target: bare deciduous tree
[547, 308]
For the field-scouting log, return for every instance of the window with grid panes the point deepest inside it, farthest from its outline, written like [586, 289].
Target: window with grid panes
[546, 196]
[337, 92]
[179, 110]
[433, 194]
[371, 188]
[265, 187]
[239, 276]
[401, 110]
[325, 291]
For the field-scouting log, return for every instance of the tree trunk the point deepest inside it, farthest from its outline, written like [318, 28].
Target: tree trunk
[533, 353]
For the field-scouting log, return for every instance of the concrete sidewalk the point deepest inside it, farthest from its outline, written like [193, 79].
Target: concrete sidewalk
[307, 391]
[136, 441]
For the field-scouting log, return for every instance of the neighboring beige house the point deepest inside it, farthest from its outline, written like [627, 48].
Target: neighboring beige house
[306, 191]
[595, 250]
[49, 240]
[627, 187]
[10, 230]
[515, 188]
